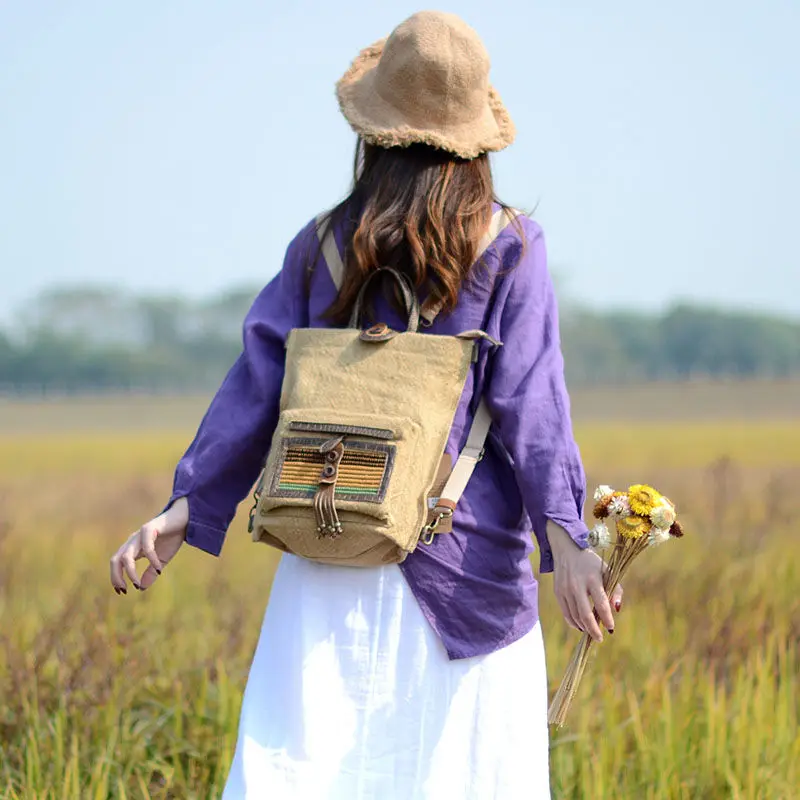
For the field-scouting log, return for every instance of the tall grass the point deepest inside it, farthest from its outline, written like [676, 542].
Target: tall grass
[697, 695]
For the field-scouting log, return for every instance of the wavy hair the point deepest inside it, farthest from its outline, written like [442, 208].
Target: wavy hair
[417, 209]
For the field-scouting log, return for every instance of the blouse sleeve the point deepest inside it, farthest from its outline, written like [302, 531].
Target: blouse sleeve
[527, 396]
[227, 453]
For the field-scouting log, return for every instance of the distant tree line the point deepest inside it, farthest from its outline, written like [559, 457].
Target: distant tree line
[685, 342]
[78, 340]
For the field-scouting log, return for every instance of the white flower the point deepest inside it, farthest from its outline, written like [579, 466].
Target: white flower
[663, 515]
[658, 536]
[601, 492]
[600, 536]
[619, 507]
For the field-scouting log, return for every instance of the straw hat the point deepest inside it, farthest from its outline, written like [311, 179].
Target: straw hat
[428, 83]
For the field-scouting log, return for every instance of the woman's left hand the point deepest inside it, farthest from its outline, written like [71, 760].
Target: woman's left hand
[578, 581]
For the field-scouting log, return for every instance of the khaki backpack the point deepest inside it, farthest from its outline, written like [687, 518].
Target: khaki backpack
[356, 474]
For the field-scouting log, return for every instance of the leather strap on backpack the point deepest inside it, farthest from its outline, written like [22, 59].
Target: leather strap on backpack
[406, 290]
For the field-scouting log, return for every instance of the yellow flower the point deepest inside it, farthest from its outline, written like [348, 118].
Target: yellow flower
[643, 499]
[633, 527]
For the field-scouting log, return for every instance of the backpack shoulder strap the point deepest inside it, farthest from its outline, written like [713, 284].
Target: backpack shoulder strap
[473, 450]
[468, 459]
[330, 251]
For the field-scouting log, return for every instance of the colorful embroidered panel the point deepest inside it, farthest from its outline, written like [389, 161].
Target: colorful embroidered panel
[364, 471]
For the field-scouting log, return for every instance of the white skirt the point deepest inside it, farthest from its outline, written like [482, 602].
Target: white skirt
[351, 696]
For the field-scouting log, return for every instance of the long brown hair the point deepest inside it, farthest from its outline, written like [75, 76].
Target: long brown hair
[417, 209]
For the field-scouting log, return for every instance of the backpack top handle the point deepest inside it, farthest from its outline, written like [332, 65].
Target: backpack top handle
[410, 299]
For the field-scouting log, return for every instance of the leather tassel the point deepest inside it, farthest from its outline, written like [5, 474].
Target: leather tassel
[321, 526]
[328, 523]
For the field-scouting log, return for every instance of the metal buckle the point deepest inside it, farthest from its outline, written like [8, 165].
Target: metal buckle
[428, 533]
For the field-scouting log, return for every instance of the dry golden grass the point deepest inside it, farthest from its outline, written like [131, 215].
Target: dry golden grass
[697, 696]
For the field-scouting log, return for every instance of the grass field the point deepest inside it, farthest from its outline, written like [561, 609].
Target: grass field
[696, 697]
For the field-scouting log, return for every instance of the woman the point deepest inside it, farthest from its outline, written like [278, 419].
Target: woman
[427, 679]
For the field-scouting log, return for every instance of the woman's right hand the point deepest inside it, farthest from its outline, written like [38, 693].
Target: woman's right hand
[578, 580]
[158, 541]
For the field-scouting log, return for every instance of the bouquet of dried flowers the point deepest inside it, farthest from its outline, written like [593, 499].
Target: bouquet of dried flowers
[641, 518]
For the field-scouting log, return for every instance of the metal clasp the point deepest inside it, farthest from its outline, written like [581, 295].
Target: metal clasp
[428, 533]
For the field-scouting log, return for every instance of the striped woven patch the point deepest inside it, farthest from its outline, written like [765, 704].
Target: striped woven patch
[363, 472]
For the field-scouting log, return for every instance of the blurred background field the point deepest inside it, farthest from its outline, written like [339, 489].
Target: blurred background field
[697, 696]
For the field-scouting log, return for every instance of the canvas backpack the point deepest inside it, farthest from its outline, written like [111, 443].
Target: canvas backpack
[356, 473]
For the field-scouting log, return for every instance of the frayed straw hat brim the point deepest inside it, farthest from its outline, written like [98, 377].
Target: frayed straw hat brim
[379, 122]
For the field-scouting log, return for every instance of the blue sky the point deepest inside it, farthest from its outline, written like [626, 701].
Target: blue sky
[178, 146]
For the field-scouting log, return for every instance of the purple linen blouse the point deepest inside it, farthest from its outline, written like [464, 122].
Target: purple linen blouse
[475, 586]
